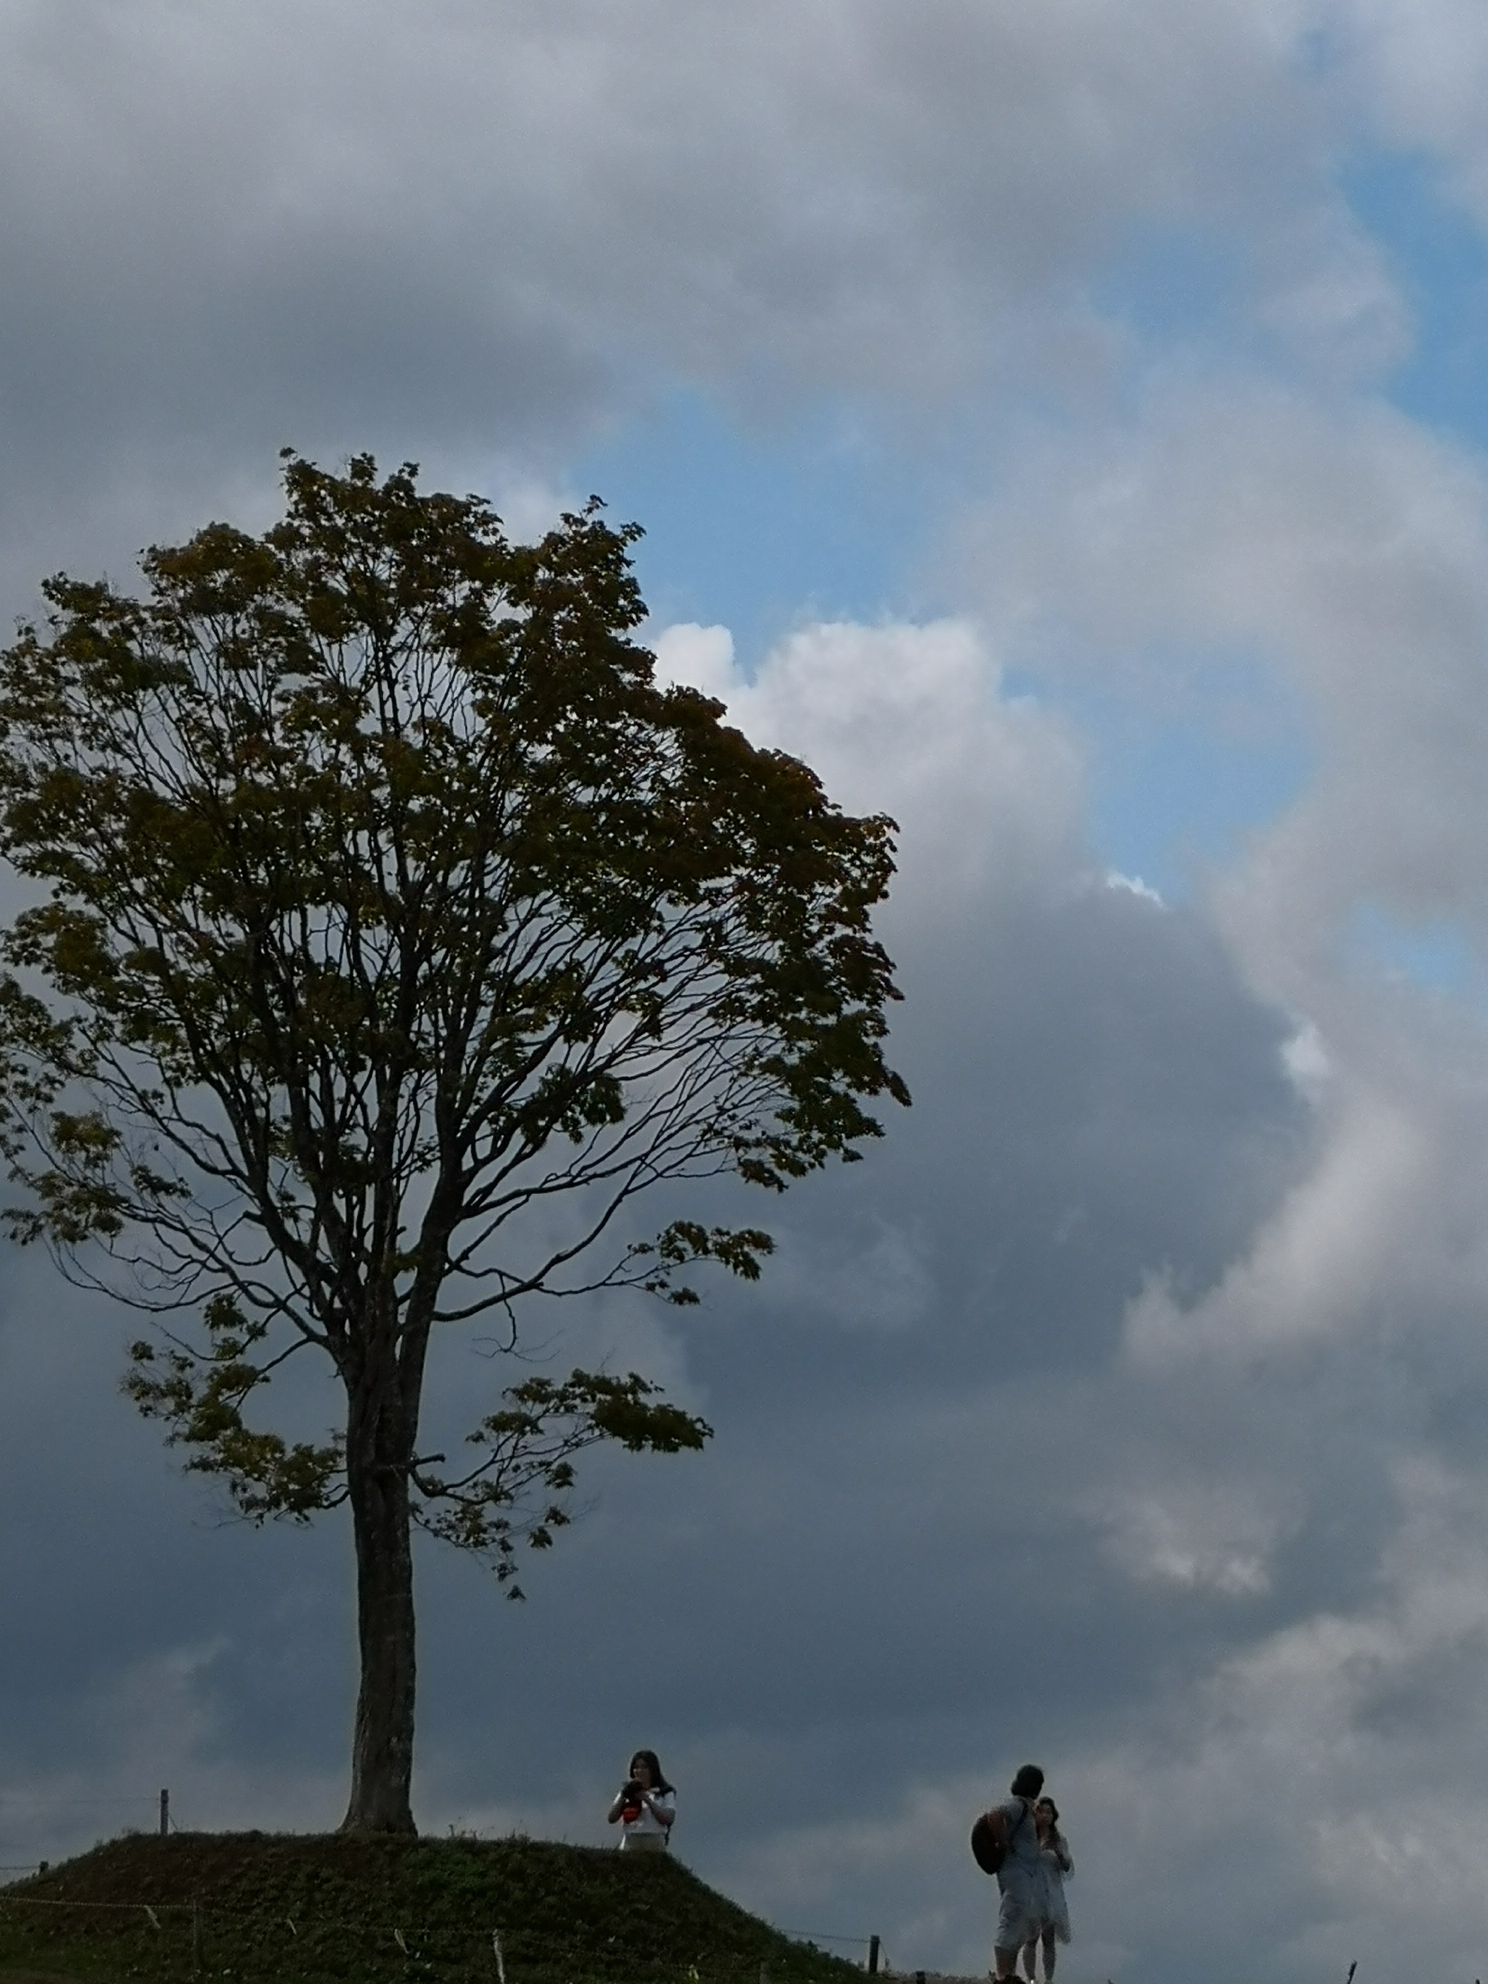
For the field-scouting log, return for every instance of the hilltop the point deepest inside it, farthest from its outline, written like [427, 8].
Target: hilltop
[273, 1908]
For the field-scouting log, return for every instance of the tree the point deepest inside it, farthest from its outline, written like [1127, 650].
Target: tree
[398, 932]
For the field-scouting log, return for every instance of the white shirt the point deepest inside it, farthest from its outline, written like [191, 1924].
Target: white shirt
[648, 1822]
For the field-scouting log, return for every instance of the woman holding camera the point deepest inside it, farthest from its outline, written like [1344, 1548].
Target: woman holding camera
[1055, 1861]
[644, 1806]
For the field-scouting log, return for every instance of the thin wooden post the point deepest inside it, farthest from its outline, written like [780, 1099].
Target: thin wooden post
[873, 1947]
[164, 1813]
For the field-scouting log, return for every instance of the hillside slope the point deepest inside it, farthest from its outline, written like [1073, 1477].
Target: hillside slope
[264, 1908]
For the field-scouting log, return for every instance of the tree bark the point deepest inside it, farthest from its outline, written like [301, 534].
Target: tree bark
[377, 1463]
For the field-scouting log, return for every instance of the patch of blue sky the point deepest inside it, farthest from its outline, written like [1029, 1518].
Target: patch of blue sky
[1439, 257]
[818, 518]
[1174, 795]
[822, 518]
[1438, 955]
[1172, 284]
[1184, 799]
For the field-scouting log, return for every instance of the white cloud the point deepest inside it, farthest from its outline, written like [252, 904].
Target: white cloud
[1347, 1238]
[1337, 1717]
[1348, 552]
[1134, 886]
[1206, 1534]
[1305, 1058]
[474, 231]
[1419, 69]
[700, 657]
[909, 720]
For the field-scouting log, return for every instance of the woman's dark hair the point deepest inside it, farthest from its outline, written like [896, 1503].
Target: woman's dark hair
[658, 1775]
[1056, 1836]
[1029, 1782]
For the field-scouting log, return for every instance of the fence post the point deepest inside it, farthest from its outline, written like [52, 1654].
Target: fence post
[164, 1813]
[873, 1956]
[195, 1937]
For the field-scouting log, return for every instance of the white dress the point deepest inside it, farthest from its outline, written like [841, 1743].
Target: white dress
[1054, 1865]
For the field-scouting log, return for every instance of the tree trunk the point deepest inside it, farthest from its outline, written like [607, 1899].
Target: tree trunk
[382, 1747]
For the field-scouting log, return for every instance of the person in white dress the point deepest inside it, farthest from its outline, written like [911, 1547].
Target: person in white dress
[644, 1806]
[1056, 1862]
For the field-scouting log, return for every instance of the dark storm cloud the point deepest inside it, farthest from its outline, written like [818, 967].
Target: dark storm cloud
[1125, 1405]
[1097, 1097]
[824, 1615]
[845, 1600]
[955, 1513]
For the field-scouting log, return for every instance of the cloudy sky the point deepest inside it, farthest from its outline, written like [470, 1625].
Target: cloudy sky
[1064, 424]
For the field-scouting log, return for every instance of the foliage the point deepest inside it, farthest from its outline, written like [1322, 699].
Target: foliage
[393, 931]
[528, 1445]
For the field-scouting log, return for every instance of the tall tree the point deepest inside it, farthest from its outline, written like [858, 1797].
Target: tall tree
[399, 931]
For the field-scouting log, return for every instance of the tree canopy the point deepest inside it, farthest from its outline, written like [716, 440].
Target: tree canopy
[395, 931]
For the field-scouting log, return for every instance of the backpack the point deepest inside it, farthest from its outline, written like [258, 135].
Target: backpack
[986, 1849]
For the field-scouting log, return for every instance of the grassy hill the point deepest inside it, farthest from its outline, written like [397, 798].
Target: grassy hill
[264, 1908]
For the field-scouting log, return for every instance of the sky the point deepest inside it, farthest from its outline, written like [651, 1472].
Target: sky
[1065, 426]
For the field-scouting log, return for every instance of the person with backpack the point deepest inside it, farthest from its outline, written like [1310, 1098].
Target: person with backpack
[1013, 1833]
[1055, 1861]
[644, 1806]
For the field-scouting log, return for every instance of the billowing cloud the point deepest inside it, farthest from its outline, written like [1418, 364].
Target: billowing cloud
[473, 232]
[929, 1428]
[1125, 1407]
[1344, 550]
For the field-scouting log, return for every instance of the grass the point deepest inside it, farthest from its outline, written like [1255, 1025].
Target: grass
[273, 1908]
